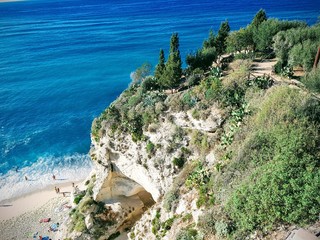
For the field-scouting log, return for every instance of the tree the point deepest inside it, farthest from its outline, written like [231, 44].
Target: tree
[160, 66]
[239, 40]
[220, 40]
[141, 72]
[173, 68]
[202, 59]
[211, 41]
[260, 17]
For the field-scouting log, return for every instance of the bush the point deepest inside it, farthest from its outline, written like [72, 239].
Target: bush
[114, 236]
[193, 80]
[80, 226]
[179, 162]
[78, 198]
[263, 82]
[188, 234]
[222, 228]
[287, 72]
[149, 83]
[170, 198]
[86, 204]
[312, 80]
[278, 164]
[150, 148]
[277, 68]
[202, 59]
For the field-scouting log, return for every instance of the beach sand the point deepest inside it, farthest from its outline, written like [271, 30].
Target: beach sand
[20, 218]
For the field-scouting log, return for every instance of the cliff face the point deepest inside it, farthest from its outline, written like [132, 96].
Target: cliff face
[134, 175]
[152, 171]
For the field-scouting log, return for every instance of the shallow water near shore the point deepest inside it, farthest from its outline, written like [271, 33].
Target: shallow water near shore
[63, 62]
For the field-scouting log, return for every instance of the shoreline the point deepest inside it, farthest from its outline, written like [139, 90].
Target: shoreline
[20, 217]
[17, 206]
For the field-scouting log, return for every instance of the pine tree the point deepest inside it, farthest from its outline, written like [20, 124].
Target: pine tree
[173, 68]
[260, 17]
[161, 66]
[211, 41]
[221, 37]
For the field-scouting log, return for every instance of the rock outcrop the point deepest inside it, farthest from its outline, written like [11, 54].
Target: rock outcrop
[130, 178]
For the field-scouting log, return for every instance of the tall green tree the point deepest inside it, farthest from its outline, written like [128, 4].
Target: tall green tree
[173, 68]
[239, 40]
[160, 66]
[220, 41]
[211, 41]
[260, 17]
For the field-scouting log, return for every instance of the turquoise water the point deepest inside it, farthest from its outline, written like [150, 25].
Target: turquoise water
[63, 62]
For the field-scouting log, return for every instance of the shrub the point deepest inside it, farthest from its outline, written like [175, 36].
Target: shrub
[78, 198]
[263, 82]
[114, 236]
[149, 83]
[202, 59]
[179, 162]
[150, 148]
[86, 204]
[222, 228]
[277, 68]
[200, 141]
[188, 234]
[188, 100]
[282, 185]
[312, 80]
[170, 198]
[193, 80]
[168, 224]
[287, 71]
[207, 222]
[80, 226]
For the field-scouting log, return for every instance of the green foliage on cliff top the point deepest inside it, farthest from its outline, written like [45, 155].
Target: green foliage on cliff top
[267, 170]
[274, 174]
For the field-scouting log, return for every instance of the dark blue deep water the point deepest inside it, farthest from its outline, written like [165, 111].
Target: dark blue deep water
[63, 62]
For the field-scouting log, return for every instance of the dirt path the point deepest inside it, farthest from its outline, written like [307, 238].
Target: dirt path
[265, 67]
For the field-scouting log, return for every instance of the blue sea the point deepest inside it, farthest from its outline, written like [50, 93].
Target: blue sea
[63, 62]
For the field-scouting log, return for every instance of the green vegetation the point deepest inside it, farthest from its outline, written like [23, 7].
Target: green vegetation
[189, 234]
[114, 236]
[284, 179]
[312, 80]
[266, 167]
[159, 229]
[172, 71]
[78, 198]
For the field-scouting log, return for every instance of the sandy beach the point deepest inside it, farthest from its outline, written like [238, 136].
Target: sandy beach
[20, 218]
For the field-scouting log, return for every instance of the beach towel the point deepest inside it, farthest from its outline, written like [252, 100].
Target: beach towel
[54, 227]
[43, 220]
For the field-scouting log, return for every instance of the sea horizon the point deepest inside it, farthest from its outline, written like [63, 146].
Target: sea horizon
[64, 62]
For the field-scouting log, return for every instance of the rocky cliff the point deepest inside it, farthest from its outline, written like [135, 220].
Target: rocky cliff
[202, 163]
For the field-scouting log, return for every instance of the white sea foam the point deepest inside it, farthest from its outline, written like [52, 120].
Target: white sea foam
[69, 168]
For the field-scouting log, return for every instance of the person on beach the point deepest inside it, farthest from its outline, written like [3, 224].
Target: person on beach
[55, 188]
[53, 177]
[26, 178]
